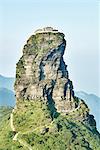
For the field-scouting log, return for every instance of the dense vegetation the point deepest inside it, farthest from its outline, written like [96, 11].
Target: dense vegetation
[38, 131]
[6, 134]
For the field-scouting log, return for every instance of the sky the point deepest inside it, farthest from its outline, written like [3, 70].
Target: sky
[78, 20]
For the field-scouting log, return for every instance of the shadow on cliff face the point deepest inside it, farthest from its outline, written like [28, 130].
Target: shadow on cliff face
[52, 108]
[47, 93]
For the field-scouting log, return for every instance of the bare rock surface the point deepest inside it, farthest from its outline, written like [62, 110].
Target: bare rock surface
[41, 74]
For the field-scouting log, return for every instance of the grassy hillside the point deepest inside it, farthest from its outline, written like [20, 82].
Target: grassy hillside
[6, 133]
[36, 130]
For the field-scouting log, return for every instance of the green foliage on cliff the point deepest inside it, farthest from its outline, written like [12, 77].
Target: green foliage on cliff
[64, 132]
[41, 43]
[20, 68]
[31, 114]
[37, 130]
[67, 135]
[6, 133]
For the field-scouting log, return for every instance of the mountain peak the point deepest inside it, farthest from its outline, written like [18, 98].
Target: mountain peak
[47, 114]
[41, 72]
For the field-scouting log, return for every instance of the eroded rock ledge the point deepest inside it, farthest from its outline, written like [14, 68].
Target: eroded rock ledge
[41, 74]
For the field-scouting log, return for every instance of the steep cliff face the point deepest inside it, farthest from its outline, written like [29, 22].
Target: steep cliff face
[47, 115]
[42, 73]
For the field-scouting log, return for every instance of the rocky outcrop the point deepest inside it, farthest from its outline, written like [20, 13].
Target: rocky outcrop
[47, 114]
[41, 74]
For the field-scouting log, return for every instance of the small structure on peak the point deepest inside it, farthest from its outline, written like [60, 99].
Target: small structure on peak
[46, 29]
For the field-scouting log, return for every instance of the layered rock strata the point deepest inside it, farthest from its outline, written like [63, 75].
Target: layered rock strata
[41, 73]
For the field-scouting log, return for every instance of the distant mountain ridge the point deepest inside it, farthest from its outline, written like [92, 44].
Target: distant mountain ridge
[7, 97]
[93, 103]
[7, 82]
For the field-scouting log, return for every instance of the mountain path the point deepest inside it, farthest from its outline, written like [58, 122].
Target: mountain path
[38, 128]
[16, 135]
